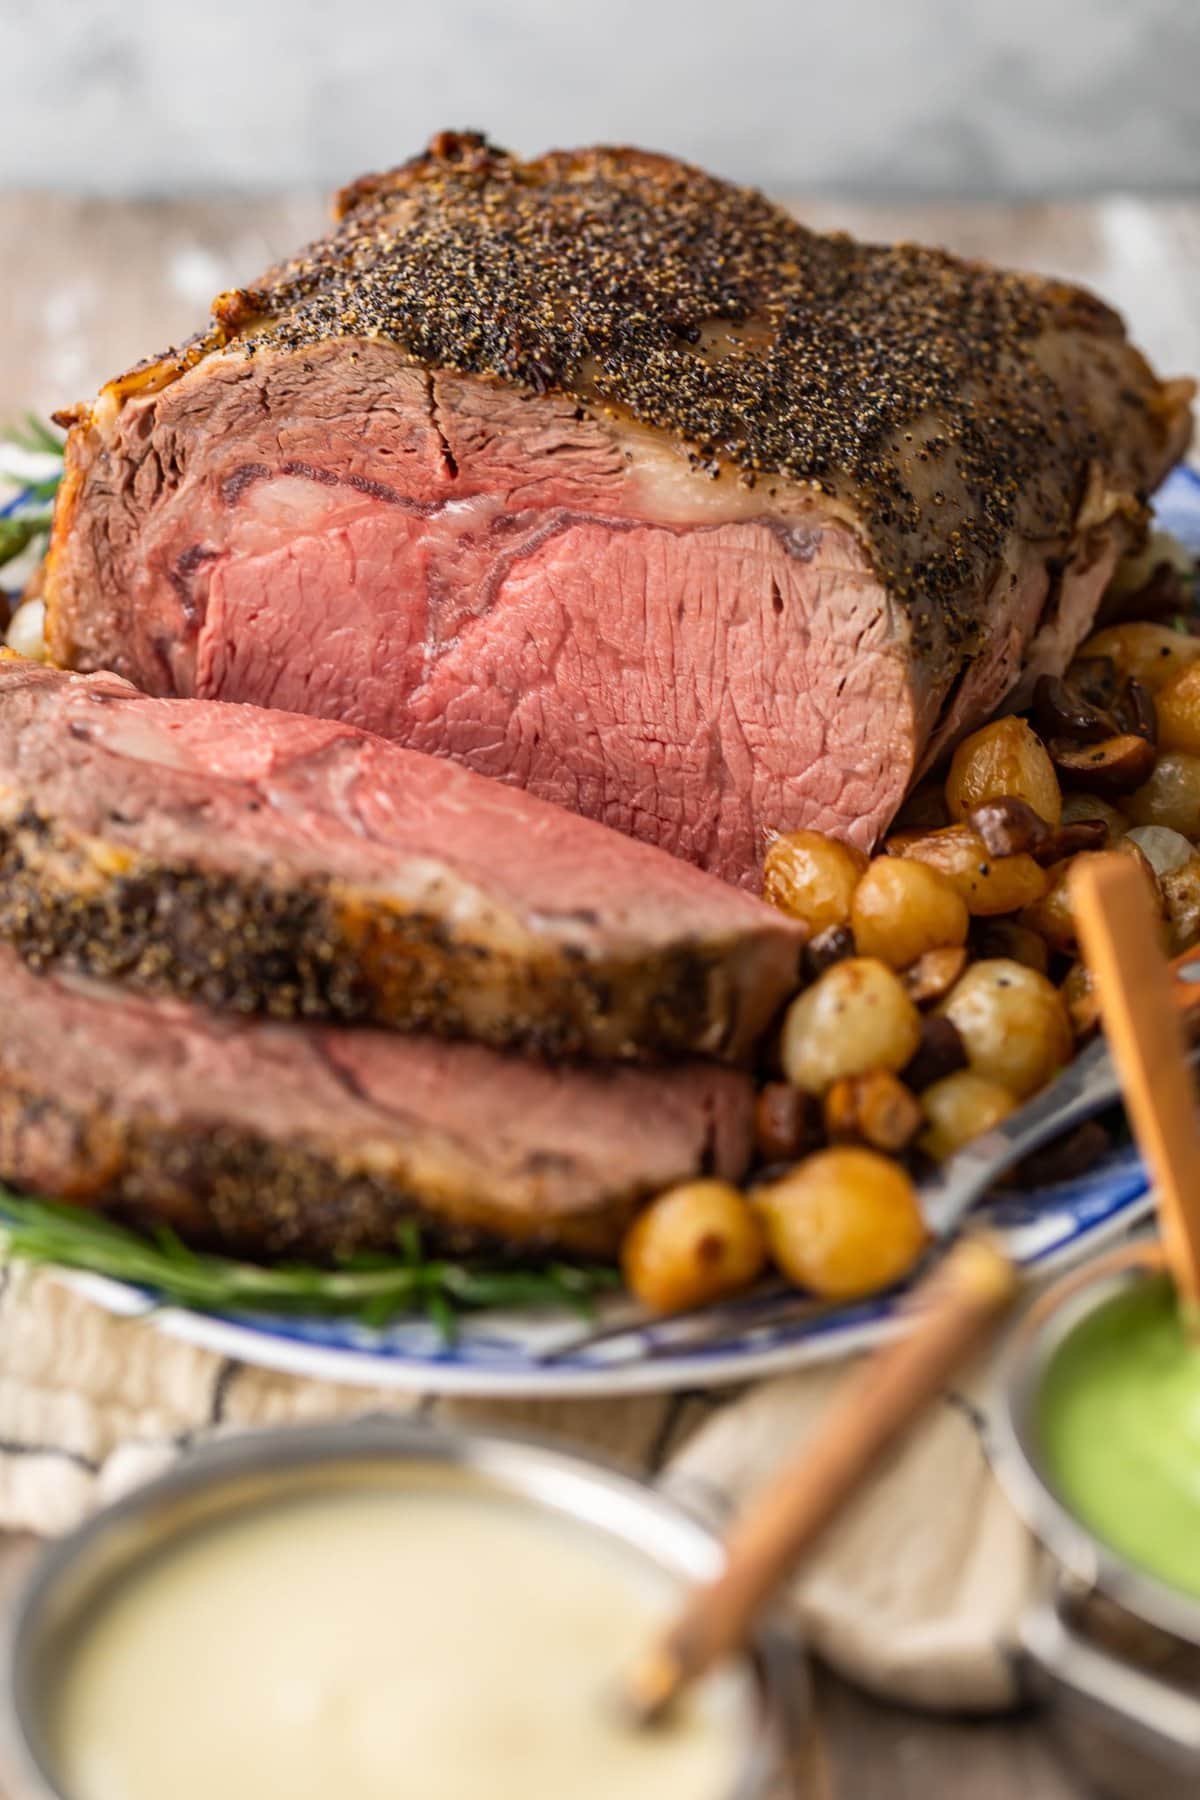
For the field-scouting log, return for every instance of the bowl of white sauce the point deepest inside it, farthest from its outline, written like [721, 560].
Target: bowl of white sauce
[381, 1611]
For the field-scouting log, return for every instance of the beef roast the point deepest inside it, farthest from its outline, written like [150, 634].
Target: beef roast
[267, 861]
[612, 480]
[294, 1139]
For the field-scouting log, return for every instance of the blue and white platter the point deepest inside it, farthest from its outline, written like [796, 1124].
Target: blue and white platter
[504, 1354]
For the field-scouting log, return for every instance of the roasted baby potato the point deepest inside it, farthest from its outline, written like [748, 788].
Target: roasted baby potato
[1178, 710]
[1079, 809]
[854, 1018]
[694, 1244]
[1181, 895]
[961, 1107]
[812, 877]
[843, 1223]
[1165, 850]
[934, 973]
[1006, 759]
[1148, 653]
[988, 884]
[1053, 916]
[902, 909]
[1079, 997]
[1008, 937]
[1013, 1024]
[1171, 795]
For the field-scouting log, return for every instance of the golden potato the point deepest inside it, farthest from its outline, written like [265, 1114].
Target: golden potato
[1181, 893]
[961, 1107]
[1079, 808]
[854, 1017]
[934, 974]
[1012, 1022]
[1164, 849]
[812, 877]
[1053, 916]
[901, 909]
[843, 1223]
[1178, 706]
[1171, 796]
[1079, 997]
[696, 1243]
[1007, 937]
[1005, 759]
[1149, 653]
[989, 884]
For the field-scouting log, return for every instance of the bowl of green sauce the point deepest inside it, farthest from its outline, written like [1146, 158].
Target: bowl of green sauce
[1099, 1448]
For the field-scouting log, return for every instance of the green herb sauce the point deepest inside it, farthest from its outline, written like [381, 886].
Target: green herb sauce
[1119, 1428]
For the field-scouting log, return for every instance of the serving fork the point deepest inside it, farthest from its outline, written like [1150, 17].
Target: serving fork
[1087, 1086]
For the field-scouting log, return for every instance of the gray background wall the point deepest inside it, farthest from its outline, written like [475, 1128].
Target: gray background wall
[870, 96]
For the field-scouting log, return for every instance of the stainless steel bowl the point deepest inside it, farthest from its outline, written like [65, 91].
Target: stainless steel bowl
[1116, 1651]
[263, 1467]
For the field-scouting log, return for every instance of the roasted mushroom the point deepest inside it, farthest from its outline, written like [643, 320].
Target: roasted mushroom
[1012, 828]
[1117, 765]
[1062, 710]
[876, 1109]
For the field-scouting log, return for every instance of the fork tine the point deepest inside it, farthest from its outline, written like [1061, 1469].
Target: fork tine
[671, 1327]
[1086, 1087]
[794, 1309]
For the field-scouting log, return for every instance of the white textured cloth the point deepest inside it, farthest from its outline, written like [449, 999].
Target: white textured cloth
[912, 1594]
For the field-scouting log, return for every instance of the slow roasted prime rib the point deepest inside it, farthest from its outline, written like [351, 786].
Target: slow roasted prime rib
[265, 861]
[305, 1139]
[610, 479]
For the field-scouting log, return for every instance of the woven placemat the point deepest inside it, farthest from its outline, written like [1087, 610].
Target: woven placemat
[913, 1595]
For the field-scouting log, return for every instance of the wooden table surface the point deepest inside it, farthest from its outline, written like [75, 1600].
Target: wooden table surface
[88, 287]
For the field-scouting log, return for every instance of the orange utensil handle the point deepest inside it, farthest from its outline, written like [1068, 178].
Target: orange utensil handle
[1118, 934]
[1185, 980]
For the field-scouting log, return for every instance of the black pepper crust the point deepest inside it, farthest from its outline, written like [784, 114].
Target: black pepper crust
[318, 950]
[246, 1195]
[944, 402]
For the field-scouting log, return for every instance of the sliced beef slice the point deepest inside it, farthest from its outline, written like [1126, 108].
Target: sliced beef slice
[265, 861]
[287, 1139]
[612, 480]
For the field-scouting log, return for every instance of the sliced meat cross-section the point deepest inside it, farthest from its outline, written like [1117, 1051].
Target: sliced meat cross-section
[267, 862]
[610, 479]
[308, 1140]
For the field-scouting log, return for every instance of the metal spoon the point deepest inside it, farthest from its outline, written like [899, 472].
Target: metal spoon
[1087, 1086]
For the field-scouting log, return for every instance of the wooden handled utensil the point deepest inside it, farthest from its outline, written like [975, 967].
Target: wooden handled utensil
[1089, 1085]
[1119, 934]
[948, 1316]
[1142, 1002]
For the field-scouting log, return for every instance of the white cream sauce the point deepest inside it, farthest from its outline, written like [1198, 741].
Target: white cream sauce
[439, 1645]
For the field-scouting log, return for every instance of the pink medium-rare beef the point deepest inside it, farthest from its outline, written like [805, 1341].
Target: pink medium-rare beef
[290, 1139]
[269, 861]
[612, 480]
